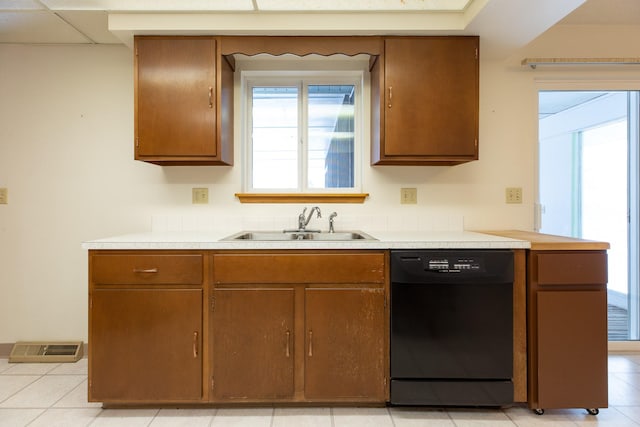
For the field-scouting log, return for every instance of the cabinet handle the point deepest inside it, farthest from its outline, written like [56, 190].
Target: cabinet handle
[195, 344]
[390, 95]
[287, 350]
[145, 270]
[310, 343]
[210, 96]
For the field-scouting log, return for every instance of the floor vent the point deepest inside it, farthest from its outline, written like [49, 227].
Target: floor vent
[38, 352]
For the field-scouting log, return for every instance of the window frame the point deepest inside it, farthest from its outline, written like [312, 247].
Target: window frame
[302, 78]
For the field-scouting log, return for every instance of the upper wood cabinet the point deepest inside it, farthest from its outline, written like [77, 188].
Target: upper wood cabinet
[424, 101]
[424, 95]
[183, 101]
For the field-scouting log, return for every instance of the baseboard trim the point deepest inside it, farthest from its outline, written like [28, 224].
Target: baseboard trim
[624, 346]
[5, 350]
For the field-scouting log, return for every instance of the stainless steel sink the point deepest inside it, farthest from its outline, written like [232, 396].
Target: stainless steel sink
[299, 235]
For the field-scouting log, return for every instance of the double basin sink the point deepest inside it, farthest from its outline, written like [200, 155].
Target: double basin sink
[304, 235]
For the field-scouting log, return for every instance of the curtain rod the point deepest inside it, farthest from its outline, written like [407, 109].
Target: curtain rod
[534, 62]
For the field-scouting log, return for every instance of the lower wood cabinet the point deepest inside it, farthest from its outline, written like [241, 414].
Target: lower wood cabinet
[567, 311]
[344, 344]
[297, 327]
[145, 327]
[145, 345]
[252, 333]
[189, 327]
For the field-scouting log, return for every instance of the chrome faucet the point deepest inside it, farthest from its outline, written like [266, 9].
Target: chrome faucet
[331, 217]
[302, 221]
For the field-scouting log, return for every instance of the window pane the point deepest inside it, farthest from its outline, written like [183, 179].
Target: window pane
[331, 136]
[275, 137]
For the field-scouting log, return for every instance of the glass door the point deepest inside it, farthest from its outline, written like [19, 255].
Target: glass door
[588, 185]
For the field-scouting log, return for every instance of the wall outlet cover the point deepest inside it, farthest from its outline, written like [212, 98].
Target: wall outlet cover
[513, 195]
[200, 196]
[408, 196]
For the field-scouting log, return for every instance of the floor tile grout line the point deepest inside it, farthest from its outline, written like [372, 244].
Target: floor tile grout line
[623, 414]
[153, 418]
[215, 413]
[18, 391]
[393, 421]
[34, 420]
[67, 393]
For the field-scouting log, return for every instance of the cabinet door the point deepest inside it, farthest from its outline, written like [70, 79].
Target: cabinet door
[572, 349]
[175, 97]
[345, 344]
[430, 100]
[253, 344]
[145, 345]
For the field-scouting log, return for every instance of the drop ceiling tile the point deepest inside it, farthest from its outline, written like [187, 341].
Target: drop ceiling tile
[36, 27]
[20, 5]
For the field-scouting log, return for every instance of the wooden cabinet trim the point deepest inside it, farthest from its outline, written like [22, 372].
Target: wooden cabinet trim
[302, 197]
[301, 45]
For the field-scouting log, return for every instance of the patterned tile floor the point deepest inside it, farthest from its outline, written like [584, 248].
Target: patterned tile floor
[55, 395]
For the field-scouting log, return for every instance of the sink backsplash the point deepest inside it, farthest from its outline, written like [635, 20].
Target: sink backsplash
[367, 223]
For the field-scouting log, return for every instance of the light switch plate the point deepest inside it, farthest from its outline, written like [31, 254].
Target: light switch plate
[4, 196]
[200, 196]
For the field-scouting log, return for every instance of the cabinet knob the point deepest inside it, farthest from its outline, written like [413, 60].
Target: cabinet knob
[390, 95]
[210, 96]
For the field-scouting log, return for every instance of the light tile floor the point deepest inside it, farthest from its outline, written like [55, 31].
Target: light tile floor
[50, 395]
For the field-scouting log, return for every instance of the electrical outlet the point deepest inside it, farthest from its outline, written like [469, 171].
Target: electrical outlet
[513, 195]
[200, 196]
[4, 196]
[408, 196]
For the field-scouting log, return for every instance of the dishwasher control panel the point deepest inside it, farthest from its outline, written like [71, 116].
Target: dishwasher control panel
[423, 266]
[453, 264]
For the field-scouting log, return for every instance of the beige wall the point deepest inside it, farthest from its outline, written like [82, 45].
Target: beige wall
[66, 156]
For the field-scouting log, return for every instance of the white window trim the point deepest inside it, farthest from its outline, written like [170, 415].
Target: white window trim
[250, 77]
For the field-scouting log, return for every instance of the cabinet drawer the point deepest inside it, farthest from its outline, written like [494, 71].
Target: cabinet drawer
[127, 269]
[573, 268]
[299, 268]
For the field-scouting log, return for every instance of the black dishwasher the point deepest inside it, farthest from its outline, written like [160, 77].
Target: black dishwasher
[452, 327]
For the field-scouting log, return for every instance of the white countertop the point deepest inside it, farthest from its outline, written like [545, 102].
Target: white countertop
[211, 240]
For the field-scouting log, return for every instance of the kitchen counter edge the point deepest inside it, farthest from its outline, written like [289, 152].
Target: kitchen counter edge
[385, 240]
[542, 242]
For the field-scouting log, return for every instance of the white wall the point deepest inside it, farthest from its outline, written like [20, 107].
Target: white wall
[66, 156]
